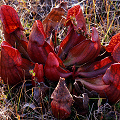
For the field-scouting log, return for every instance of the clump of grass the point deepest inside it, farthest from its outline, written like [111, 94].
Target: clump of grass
[104, 16]
[6, 109]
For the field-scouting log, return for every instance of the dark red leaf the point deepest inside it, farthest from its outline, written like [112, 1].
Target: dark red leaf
[52, 69]
[96, 65]
[36, 49]
[11, 62]
[18, 40]
[72, 39]
[38, 54]
[112, 75]
[113, 42]
[54, 18]
[13, 30]
[75, 17]
[96, 68]
[116, 53]
[39, 74]
[15, 37]
[85, 51]
[37, 33]
[10, 19]
[62, 100]
[49, 49]
[109, 87]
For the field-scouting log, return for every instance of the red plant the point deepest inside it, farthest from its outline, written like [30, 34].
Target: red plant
[13, 30]
[62, 100]
[38, 49]
[76, 57]
[11, 62]
[76, 18]
[107, 85]
[84, 52]
[53, 71]
[113, 42]
[39, 74]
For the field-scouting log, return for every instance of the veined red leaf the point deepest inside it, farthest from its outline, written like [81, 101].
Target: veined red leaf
[116, 53]
[10, 19]
[11, 62]
[49, 49]
[72, 39]
[52, 69]
[18, 40]
[13, 30]
[37, 33]
[113, 42]
[36, 49]
[15, 37]
[54, 18]
[62, 100]
[108, 91]
[72, 12]
[95, 73]
[75, 17]
[96, 65]
[84, 52]
[96, 68]
[38, 54]
[112, 75]
[39, 74]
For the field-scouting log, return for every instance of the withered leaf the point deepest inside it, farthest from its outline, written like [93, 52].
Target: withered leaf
[40, 92]
[55, 18]
[81, 103]
[62, 100]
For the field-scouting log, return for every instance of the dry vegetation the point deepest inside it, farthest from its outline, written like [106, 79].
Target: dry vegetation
[17, 102]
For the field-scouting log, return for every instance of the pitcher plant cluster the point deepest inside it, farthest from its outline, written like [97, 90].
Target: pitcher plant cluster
[78, 56]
